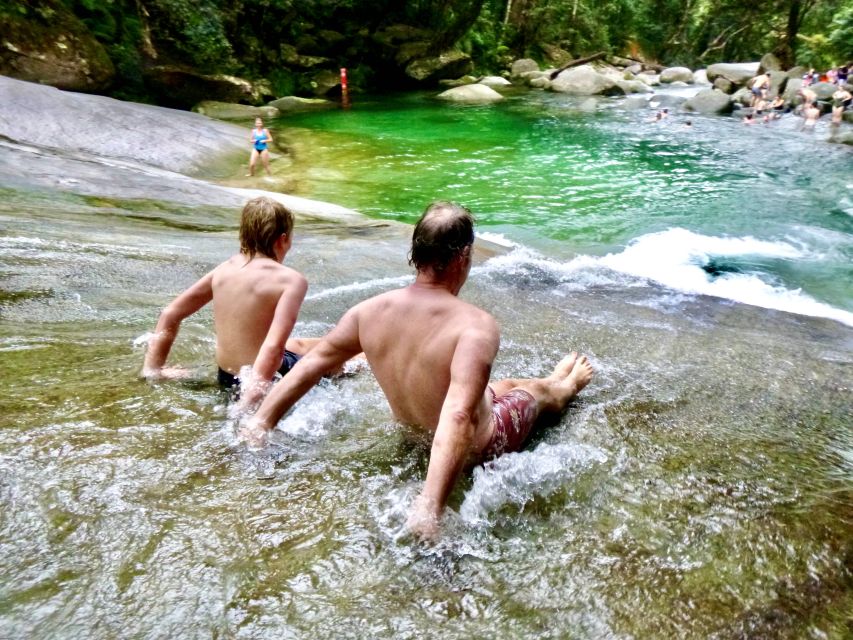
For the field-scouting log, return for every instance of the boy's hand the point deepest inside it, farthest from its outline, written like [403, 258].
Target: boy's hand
[253, 434]
[166, 373]
[252, 393]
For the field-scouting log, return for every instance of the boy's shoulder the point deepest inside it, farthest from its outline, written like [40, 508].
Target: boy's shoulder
[259, 267]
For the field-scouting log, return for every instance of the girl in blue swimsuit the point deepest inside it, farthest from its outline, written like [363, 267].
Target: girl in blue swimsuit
[260, 138]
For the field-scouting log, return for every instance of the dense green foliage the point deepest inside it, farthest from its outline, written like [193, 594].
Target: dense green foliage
[286, 40]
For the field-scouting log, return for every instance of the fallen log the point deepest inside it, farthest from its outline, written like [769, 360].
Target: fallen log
[579, 61]
[620, 61]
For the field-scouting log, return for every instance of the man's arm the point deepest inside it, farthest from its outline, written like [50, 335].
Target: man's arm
[338, 346]
[169, 322]
[269, 356]
[460, 417]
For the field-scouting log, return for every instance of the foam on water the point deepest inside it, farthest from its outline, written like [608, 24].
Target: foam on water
[367, 285]
[516, 478]
[681, 260]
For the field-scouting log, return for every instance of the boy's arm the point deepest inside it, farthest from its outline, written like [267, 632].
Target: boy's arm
[270, 354]
[169, 322]
[454, 438]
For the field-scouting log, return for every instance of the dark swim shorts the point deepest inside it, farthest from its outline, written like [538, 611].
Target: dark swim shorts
[515, 412]
[229, 380]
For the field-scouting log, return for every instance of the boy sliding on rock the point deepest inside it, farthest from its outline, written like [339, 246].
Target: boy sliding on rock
[255, 303]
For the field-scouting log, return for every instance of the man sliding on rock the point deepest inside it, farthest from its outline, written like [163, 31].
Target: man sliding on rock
[432, 354]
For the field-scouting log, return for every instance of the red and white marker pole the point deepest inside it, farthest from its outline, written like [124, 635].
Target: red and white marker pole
[344, 89]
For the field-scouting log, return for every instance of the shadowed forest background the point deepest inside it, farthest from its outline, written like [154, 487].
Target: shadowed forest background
[288, 43]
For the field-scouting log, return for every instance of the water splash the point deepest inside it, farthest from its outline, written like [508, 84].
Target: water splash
[517, 478]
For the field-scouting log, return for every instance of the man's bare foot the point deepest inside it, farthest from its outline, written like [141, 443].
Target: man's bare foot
[564, 367]
[579, 376]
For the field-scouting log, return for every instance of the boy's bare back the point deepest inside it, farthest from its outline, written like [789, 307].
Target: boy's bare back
[246, 294]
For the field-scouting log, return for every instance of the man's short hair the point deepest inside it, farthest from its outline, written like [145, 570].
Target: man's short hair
[443, 232]
[262, 222]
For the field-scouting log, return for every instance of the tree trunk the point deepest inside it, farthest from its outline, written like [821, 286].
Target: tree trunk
[579, 61]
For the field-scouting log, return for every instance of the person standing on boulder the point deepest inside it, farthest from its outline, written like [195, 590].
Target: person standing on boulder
[759, 87]
[259, 138]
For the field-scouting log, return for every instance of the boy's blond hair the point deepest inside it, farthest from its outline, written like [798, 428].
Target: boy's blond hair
[262, 222]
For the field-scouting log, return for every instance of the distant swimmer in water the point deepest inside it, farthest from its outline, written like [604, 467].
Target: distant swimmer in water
[260, 139]
[841, 100]
[255, 303]
[432, 354]
[811, 113]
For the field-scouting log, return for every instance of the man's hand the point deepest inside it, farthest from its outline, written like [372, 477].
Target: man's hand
[424, 521]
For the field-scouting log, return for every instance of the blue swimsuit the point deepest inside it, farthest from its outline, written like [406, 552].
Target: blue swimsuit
[259, 139]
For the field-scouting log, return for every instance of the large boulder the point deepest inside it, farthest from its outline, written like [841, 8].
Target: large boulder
[797, 72]
[180, 141]
[792, 89]
[522, 66]
[325, 83]
[584, 81]
[495, 81]
[676, 74]
[824, 90]
[634, 86]
[450, 64]
[700, 76]
[397, 34]
[181, 88]
[229, 111]
[59, 51]
[769, 62]
[471, 94]
[778, 80]
[532, 78]
[709, 101]
[736, 73]
[457, 82]
[723, 84]
[555, 55]
[742, 97]
[289, 104]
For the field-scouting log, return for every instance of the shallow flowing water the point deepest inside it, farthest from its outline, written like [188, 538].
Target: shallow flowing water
[701, 487]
